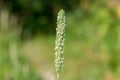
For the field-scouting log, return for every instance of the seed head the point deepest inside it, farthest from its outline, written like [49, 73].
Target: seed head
[59, 43]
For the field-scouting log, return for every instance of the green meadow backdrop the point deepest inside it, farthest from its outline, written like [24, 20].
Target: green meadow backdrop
[27, 39]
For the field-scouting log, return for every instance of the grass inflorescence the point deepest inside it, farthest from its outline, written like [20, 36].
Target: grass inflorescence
[59, 43]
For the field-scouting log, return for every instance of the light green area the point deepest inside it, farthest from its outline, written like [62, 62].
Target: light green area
[92, 50]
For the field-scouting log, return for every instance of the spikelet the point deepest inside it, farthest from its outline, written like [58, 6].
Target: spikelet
[59, 43]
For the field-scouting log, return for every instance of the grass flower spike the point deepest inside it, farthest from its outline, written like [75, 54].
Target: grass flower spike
[59, 43]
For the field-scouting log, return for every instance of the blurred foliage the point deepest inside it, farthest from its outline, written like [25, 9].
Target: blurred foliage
[38, 15]
[92, 43]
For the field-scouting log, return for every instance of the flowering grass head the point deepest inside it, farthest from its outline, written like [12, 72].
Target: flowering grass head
[59, 43]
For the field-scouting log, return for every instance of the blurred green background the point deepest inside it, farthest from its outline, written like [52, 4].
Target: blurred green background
[27, 37]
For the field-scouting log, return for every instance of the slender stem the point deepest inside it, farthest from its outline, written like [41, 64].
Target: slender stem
[58, 76]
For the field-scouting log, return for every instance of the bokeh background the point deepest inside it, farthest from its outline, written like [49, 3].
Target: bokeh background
[27, 37]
